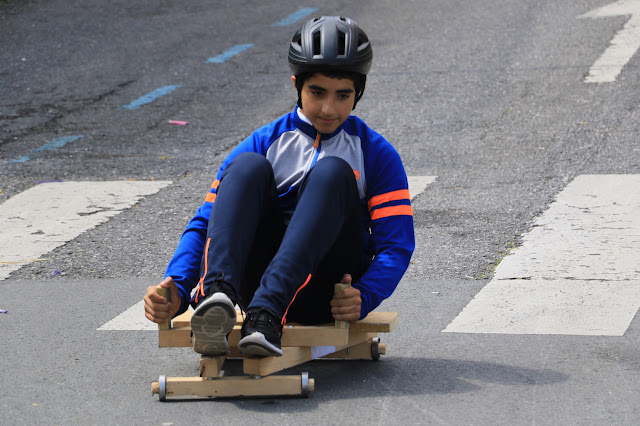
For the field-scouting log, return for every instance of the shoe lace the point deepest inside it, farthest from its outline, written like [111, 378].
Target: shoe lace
[219, 284]
[262, 318]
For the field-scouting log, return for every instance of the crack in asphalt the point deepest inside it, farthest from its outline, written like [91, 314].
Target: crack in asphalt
[52, 122]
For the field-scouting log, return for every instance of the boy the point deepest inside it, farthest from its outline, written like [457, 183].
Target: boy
[313, 198]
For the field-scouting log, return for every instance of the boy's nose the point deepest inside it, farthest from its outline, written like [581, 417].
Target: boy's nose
[328, 107]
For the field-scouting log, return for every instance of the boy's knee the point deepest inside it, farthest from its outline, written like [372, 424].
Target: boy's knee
[251, 159]
[333, 168]
[250, 164]
[331, 175]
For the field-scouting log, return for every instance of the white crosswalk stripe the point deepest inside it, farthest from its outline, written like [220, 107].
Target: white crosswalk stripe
[577, 271]
[131, 319]
[417, 184]
[48, 215]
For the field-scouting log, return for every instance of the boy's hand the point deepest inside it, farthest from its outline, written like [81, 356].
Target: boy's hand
[346, 304]
[156, 307]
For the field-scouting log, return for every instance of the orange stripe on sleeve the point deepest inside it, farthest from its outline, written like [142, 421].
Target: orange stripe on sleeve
[211, 196]
[402, 194]
[392, 211]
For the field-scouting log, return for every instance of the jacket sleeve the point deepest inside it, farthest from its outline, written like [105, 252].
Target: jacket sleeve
[391, 224]
[184, 266]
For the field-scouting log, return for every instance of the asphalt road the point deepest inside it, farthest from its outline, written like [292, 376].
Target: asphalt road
[489, 96]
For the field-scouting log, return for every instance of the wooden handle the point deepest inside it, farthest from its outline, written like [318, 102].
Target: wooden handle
[337, 287]
[164, 292]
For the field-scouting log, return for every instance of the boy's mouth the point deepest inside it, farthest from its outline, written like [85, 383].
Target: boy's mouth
[326, 120]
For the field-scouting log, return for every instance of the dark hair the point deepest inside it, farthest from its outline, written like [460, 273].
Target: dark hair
[359, 81]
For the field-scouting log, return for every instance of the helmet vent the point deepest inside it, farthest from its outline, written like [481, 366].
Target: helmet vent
[297, 39]
[316, 44]
[342, 47]
[363, 46]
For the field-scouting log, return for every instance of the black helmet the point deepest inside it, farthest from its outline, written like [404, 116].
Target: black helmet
[330, 42]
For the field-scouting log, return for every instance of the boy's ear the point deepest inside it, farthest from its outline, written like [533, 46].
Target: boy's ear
[295, 86]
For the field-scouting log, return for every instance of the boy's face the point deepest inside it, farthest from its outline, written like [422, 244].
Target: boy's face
[327, 102]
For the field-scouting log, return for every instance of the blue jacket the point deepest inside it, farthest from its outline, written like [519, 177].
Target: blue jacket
[292, 146]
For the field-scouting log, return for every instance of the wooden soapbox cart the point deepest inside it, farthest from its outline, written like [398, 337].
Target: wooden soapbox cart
[300, 344]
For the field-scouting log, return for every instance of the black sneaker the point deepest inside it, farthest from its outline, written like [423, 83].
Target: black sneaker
[261, 332]
[211, 322]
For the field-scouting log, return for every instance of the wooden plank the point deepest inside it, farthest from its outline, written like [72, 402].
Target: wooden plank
[183, 320]
[297, 335]
[233, 386]
[293, 335]
[361, 351]
[336, 288]
[305, 335]
[292, 356]
[264, 366]
[177, 337]
[210, 366]
[381, 322]
[164, 292]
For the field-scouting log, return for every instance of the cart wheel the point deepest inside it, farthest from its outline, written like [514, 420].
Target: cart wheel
[305, 384]
[375, 354]
[162, 395]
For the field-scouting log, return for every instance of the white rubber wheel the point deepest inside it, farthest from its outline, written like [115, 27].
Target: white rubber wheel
[375, 353]
[305, 384]
[162, 395]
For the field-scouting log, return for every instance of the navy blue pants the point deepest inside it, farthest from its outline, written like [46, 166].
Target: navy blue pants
[267, 262]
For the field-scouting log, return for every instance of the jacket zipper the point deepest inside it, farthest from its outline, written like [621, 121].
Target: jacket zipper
[318, 146]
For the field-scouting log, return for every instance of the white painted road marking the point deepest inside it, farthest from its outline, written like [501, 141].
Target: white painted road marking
[131, 319]
[577, 271]
[134, 319]
[623, 46]
[48, 215]
[417, 184]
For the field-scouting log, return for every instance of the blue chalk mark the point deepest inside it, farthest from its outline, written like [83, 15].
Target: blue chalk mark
[22, 159]
[52, 145]
[295, 17]
[229, 53]
[150, 97]
[57, 143]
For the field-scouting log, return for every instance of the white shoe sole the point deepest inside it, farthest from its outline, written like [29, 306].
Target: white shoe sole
[256, 344]
[210, 324]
